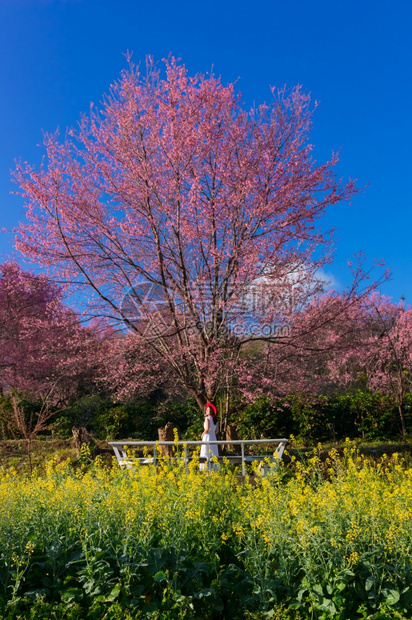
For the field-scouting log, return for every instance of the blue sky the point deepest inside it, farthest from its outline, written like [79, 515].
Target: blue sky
[353, 56]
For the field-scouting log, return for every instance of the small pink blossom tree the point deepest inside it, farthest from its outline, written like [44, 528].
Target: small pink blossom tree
[384, 352]
[44, 351]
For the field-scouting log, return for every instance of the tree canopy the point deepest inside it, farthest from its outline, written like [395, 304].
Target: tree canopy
[174, 186]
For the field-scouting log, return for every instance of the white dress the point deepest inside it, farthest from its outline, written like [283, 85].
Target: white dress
[213, 448]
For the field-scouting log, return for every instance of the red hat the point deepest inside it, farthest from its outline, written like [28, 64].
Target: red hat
[213, 407]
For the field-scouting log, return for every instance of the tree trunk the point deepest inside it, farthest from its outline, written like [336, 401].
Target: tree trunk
[401, 401]
[231, 433]
[81, 436]
[29, 452]
[402, 416]
[166, 434]
[201, 400]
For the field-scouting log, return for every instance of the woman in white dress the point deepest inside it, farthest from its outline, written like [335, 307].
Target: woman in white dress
[209, 434]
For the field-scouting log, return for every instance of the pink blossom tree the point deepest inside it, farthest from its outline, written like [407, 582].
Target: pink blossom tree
[369, 340]
[172, 205]
[29, 306]
[383, 353]
[42, 349]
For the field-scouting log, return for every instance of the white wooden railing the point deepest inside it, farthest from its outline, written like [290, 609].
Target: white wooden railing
[121, 447]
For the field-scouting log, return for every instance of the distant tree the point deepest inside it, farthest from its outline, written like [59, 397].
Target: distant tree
[385, 355]
[44, 351]
[174, 193]
[391, 367]
[368, 343]
[26, 302]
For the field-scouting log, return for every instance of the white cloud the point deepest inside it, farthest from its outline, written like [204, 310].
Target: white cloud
[331, 282]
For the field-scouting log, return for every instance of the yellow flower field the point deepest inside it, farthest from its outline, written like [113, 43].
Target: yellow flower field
[313, 540]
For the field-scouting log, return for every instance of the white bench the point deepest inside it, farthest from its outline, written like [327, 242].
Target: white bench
[121, 447]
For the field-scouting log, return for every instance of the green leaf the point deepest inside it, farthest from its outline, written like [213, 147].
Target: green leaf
[329, 606]
[160, 576]
[205, 593]
[300, 595]
[369, 583]
[317, 588]
[391, 596]
[89, 586]
[114, 593]
[72, 595]
[348, 573]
